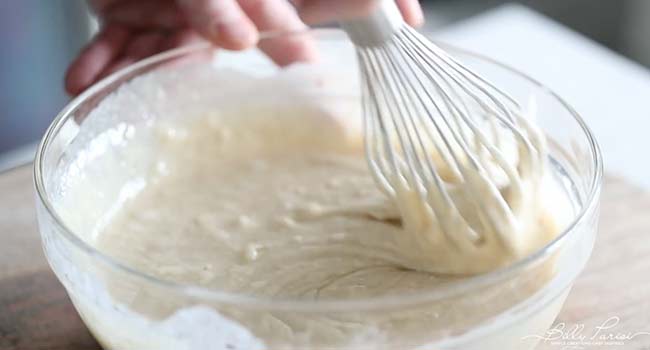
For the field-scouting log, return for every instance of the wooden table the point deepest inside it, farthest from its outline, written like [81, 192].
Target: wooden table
[35, 313]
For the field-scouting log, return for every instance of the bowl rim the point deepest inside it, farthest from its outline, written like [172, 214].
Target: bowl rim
[243, 300]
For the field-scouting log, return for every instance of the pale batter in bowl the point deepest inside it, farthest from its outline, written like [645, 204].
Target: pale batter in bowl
[262, 192]
[275, 199]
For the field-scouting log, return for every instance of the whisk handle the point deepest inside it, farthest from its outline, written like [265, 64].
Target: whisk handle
[377, 27]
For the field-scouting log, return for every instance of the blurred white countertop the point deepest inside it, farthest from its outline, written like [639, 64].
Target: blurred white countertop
[611, 92]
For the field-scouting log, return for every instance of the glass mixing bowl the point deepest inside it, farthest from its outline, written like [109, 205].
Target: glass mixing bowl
[502, 309]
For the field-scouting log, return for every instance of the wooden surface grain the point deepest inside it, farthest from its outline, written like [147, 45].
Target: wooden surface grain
[35, 313]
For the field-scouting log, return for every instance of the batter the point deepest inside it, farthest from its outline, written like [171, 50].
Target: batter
[274, 199]
[263, 205]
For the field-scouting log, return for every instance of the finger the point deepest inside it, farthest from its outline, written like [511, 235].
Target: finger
[411, 11]
[183, 37]
[85, 69]
[222, 22]
[141, 46]
[280, 16]
[321, 11]
[144, 45]
[145, 14]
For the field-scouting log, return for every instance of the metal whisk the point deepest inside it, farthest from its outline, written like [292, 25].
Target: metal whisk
[440, 134]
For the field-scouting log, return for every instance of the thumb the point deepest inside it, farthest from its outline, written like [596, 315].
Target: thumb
[322, 11]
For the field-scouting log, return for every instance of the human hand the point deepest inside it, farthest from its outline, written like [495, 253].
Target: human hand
[135, 29]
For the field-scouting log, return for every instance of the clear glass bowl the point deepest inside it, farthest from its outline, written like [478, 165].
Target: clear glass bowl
[502, 309]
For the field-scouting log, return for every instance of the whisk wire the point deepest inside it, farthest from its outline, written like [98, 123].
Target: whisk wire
[440, 132]
[377, 162]
[481, 138]
[443, 204]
